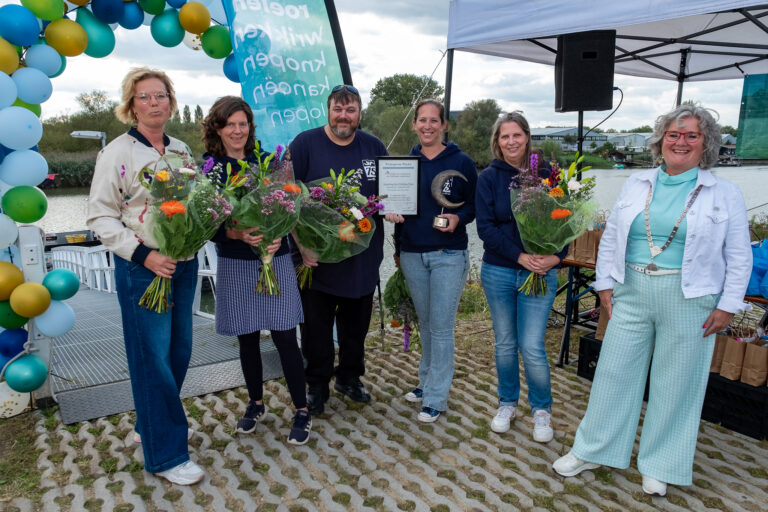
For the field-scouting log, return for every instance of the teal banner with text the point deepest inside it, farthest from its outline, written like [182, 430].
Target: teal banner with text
[752, 140]
[287, 62]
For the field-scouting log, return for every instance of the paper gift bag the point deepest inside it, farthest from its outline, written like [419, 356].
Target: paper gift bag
[602, 323]
[733, 358]
[755, 368]
[717, 355]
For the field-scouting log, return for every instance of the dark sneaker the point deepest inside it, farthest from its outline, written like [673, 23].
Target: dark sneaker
[253, 414]
[354, 390]
[302, 424]
[415, 396]
[316, 398]
[428, 415]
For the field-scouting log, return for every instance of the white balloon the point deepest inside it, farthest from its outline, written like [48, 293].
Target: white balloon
[57, 320]
[192, 41]
[24, 167]
[9, 232]
[12, 402]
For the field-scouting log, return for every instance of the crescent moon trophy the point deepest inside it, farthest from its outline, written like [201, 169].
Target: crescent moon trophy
[438, 184]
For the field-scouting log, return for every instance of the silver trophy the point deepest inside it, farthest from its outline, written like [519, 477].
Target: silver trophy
[438, 184]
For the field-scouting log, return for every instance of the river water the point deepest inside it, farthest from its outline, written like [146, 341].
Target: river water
[67, 209]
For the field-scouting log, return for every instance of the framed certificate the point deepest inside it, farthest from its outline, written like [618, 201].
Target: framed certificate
[398, 179]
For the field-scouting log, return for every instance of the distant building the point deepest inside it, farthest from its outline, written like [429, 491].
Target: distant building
[726, 139]
[629, 143]
[539, 135]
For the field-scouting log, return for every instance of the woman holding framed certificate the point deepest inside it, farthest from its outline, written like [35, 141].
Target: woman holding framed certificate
[432, 249]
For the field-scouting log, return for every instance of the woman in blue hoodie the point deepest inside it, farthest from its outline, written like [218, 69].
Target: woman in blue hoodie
[435, 259]
[519, 321]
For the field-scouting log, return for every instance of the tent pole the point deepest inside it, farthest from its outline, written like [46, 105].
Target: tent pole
[580, 143]
[681, 75]
[448, 80]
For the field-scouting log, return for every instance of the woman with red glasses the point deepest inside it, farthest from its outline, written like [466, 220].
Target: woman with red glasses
[672, 270]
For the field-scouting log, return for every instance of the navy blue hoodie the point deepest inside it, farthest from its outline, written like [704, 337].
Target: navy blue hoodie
[416, 234]
[495, 225]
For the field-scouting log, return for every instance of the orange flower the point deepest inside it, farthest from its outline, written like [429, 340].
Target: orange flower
[364, 225]
[171, 208]
[267, 181]
[395, 323]
[560, 213]
[162, 176]
[347, 232]
[292, 188]
[556, 192]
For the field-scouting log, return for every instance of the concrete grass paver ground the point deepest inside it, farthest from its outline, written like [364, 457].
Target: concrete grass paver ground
[378, 457]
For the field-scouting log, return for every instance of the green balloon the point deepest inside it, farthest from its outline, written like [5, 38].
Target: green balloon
[25, 204]
[9, 319]
[61, 283]
[26, 374]
[35, 109]
[152, 6]
[216, 42]
[101, 39]
[45, 9]
[166, 29]
[62, 68]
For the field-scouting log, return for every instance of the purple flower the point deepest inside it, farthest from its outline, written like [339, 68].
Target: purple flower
[534, 162]
[316, 193]
[213, 213]
[208, 165]
[278, 151]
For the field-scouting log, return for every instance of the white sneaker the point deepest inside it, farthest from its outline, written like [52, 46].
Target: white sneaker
[571, 465]
[187, 473]
[504, 416]
[654, 487]
[542, 426]
[137, 436]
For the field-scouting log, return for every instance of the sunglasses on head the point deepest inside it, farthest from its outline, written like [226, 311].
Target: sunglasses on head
[345, 87]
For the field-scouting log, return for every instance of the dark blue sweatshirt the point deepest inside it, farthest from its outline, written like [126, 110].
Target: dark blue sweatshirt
[314, 155]
[495, 225]
[228, 247]
[416, 234]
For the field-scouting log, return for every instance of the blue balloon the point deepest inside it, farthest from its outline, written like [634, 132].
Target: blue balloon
[8, 91]
[57, 320]
[230, 68]
[44, 58]
[132, 16]
[108, 11]
[33, 85]
[19, 128]
[12, 342]
[3, 361]
[24, 167]
[62, 68]
[3, 151]
[176, 3]
[18, 25]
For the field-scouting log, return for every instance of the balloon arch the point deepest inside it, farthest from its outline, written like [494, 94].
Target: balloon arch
[36, 38]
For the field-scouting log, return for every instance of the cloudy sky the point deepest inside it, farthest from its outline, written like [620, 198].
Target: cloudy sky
[384, 38]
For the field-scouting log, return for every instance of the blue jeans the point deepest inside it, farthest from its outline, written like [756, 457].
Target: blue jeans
[158, 348]
[436, 280]
[519, 323]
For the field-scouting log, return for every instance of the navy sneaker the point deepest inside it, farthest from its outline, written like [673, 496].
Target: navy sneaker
[302, 424]
[415, 396]
[253, 413]
[428, 415]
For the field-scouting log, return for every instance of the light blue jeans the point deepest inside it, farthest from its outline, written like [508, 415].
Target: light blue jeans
[519, 323]
[436, 280]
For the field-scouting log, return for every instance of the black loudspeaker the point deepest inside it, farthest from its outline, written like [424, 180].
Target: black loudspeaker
[584, 71]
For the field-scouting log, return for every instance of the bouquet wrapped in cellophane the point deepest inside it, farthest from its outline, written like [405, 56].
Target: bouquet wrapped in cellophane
[265, 197]
[399, 304]
[550, 212]
[335, 220]
[187, 209]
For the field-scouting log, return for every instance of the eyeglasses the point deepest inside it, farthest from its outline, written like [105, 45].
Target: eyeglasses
[344, 87]
[160, 97]
[673, 136]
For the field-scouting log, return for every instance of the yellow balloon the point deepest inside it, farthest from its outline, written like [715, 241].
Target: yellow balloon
[9, 59]
[30, 299]
[10, 278]
[194, 17]
[66, 37]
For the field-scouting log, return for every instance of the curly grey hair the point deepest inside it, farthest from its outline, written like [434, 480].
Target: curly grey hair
[707, 125]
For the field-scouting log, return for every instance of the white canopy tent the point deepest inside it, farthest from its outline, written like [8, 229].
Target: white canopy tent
[683, 40]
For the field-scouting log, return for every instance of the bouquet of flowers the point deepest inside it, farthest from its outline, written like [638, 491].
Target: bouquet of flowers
[187, 209]
[335, 220]
[398, 301]
[550, 212]
[265, 197]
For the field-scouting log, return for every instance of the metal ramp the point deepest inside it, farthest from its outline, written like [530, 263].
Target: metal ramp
[89, 373]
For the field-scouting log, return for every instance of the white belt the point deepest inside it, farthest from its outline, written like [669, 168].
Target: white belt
[659, 272]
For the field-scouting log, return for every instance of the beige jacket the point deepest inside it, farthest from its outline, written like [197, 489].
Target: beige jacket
[118, 206]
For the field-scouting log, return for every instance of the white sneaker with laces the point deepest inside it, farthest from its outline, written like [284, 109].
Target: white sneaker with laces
[503, 418]
[571, 465]
[137, 436]
[654, 487]
[187, 473]
[542, 426]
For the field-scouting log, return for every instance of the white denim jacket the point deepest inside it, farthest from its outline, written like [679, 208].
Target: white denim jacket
[717, 257]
